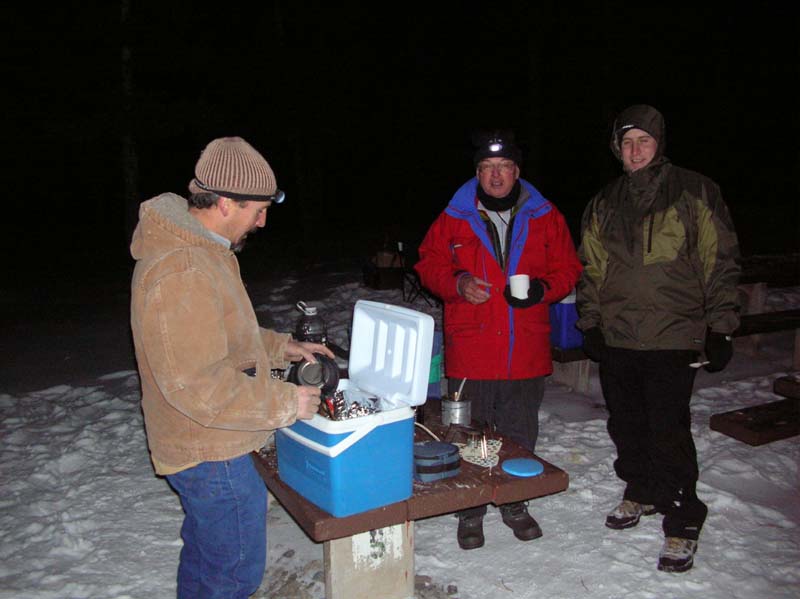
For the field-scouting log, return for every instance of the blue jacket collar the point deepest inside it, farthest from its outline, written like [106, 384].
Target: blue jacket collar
[463, 206]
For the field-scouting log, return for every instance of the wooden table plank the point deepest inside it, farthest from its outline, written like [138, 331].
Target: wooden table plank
[768, 322]
[760, 424]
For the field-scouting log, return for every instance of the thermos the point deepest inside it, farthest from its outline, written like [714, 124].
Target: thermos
[310, 326]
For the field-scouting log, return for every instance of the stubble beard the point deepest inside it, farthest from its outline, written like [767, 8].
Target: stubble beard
[239, 245]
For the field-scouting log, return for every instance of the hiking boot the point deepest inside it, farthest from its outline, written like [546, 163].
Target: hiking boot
[627, 514]
[517, 518]
[677, 554]
[470, 532]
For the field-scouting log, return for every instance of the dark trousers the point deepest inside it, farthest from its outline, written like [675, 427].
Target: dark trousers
[647, 394]
[510, 407]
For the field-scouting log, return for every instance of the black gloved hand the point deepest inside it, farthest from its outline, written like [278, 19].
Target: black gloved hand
[535, 295]
[594, 344]
[719, 351]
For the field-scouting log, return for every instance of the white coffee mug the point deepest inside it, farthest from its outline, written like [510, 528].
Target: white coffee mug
[519, 286]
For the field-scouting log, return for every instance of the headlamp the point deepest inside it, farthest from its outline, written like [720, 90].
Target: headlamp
[278, 197]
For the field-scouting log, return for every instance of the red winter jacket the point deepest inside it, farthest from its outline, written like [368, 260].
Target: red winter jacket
[493, 340]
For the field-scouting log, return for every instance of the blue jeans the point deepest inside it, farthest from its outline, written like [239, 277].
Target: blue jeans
[224, 529]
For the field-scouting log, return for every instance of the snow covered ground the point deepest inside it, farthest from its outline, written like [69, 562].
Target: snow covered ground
[83, 516]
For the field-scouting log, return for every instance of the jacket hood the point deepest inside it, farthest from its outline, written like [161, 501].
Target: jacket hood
[639, 116]
[164, 224]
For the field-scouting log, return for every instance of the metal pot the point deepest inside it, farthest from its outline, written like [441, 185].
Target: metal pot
[456, 411]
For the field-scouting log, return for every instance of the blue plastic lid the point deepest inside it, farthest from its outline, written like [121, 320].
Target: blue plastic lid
[523, 467]
[434, 449]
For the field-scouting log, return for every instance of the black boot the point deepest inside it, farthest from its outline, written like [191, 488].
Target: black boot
[517, 518]
[470, 531]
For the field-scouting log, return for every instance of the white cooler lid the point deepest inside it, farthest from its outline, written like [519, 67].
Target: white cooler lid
[390, 353]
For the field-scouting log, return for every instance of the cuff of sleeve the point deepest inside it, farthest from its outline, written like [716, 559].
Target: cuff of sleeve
[460, 275]
[280, 360]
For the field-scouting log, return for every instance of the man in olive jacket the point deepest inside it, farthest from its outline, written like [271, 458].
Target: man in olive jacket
[661, 265]
[205, 364]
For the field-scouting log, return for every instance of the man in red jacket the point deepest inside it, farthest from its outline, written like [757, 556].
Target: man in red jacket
[498, 225]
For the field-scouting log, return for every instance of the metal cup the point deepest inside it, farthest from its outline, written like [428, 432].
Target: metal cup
[456, 412]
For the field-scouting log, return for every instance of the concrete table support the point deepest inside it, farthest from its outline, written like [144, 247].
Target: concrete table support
[376, 563]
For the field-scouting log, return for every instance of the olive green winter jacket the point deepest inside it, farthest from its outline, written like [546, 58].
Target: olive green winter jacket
[671, 274]
[661, 260]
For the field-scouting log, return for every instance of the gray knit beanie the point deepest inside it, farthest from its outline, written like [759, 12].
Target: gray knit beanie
[231, 167]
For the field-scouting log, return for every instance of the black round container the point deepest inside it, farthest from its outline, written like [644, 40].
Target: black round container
[324, 373]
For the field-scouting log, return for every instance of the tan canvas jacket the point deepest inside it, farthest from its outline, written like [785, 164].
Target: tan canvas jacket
[195, 331]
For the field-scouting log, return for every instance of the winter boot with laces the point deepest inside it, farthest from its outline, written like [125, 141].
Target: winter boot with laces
[517, 518]
[677, 554]
[470, 531]
[627, 514]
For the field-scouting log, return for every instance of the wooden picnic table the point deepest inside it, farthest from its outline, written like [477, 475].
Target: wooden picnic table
[371, 554]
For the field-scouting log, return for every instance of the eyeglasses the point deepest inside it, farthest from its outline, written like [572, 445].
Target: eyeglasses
[504, 167]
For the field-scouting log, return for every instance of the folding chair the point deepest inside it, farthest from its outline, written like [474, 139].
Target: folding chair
[412, 286]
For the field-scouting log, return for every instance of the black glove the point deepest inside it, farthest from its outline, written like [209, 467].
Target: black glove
[594, 344]
[535, 295]
[719, 351]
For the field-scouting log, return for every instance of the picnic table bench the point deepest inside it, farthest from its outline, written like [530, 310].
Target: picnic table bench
[371, 554]
[764, 423]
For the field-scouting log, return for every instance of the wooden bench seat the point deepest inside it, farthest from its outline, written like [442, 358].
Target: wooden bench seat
[787, 386]
[768, 322]
[764, 423]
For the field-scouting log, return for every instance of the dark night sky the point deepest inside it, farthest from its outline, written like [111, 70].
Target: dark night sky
[366, 119]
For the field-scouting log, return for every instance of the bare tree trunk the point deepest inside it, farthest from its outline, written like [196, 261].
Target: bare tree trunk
[537, 102]
[304, 135]
[130, 160]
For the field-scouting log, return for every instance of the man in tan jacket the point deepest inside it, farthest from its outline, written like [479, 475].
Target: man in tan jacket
[205, 364]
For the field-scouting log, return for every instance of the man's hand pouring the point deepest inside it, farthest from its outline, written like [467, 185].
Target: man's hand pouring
[308, 397]
[304, 350]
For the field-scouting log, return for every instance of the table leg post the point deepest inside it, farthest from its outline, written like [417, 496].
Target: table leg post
[573, 374]
[377, 563]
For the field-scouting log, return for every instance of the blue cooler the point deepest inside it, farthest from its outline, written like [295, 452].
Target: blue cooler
[350, 466]
[563, 317]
